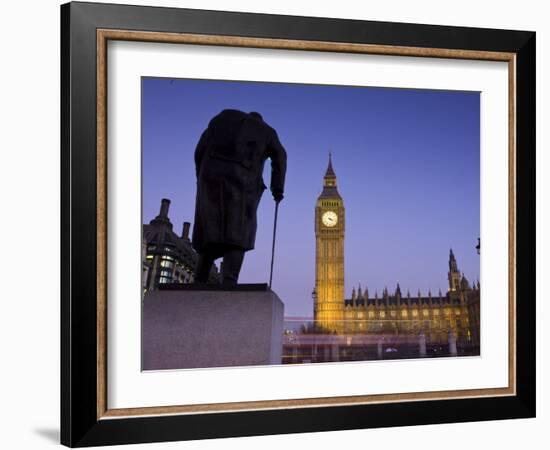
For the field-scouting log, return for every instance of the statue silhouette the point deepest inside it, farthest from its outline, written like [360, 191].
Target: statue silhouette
[229, 161]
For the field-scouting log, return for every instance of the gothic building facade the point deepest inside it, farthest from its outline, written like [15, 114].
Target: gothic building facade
[456, 311]
[437, 317]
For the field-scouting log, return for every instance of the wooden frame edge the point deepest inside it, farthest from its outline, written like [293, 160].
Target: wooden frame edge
[290, 44]
[101, 223]
[304, 403]
[103, 35]
[512, 200]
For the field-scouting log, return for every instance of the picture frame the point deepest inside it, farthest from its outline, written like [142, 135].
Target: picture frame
[86, 418]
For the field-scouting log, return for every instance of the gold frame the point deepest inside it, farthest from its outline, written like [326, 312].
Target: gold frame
[103, 36]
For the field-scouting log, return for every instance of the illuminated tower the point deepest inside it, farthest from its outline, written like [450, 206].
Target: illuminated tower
[329, 255]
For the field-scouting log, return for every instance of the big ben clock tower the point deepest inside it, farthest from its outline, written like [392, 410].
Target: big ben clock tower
[329, 255]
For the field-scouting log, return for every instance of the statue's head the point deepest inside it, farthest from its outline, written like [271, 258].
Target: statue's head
[256, 115]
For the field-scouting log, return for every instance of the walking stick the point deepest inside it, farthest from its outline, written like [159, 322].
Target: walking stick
[273, 245]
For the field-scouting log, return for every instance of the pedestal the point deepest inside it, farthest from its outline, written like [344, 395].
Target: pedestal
[184, 329]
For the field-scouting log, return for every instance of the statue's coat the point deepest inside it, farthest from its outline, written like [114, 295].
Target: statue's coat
[229, 161]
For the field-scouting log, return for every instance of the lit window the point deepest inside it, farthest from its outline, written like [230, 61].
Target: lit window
[167, 264]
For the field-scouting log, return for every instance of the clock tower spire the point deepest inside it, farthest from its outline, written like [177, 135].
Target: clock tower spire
[330, 176]
[329, 255]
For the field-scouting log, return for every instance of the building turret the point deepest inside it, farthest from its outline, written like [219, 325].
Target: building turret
[452, 262]
[454, 274]
[464, 285]
[361, 300]
[440, 297]
[418, 298]
[398, 292]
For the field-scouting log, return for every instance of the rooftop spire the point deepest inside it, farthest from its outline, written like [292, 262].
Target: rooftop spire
[329, 181]
[330, 171]
[452, 262]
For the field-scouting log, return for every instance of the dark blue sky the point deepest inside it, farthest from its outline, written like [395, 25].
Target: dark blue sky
[407, 163]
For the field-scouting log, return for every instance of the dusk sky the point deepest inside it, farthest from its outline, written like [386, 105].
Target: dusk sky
[407, 163]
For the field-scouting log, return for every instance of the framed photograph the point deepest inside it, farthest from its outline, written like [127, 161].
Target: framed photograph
[278, 224]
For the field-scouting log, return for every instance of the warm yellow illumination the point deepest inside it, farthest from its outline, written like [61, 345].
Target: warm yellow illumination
[329, 257]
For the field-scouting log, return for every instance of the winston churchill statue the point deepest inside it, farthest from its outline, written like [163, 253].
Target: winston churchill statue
[229, 161]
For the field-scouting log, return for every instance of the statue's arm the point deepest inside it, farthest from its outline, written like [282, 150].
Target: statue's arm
[277, 154]
[200, 150]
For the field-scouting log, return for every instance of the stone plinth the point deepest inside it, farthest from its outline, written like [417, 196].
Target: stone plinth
[211, 328]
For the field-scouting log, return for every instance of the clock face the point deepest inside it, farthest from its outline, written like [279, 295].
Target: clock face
[330, 219]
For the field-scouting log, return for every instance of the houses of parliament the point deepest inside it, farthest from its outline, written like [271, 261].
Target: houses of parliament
[436, 316]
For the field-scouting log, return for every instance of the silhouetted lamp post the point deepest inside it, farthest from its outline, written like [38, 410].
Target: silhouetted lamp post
[478, 246]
